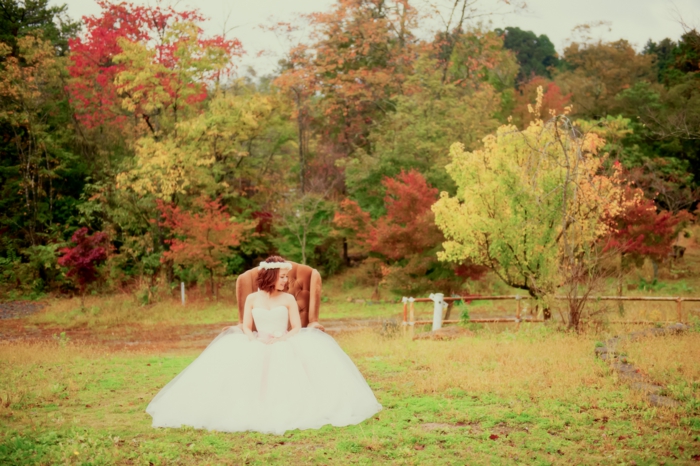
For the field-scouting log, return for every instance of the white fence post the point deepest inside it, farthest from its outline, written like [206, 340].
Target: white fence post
[438, 308]
[182, 292]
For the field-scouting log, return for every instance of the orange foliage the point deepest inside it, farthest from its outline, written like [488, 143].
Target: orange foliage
[352, 223]
[641, 231]
[201, 239]
[408, 227]
[552, 100]
[356, 64]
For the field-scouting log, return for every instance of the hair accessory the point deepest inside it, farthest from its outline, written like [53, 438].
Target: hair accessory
[275, 265]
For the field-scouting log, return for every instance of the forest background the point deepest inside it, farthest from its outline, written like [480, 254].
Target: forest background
[135, 156]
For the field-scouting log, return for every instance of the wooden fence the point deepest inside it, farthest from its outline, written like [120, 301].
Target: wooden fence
[440, 302]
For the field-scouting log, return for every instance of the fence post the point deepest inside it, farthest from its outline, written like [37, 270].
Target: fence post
[405, 314]
[438, 308]
[679, 310]
[517, 311]
[182, 292]
[411, 317]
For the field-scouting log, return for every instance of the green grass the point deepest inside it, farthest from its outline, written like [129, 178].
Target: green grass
[535, 397]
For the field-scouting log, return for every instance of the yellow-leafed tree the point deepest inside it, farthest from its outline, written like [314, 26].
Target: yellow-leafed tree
[531, 206]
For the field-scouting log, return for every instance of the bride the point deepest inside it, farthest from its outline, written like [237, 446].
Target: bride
[270, 381]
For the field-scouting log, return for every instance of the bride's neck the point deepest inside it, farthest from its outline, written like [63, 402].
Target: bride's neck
[272, 294]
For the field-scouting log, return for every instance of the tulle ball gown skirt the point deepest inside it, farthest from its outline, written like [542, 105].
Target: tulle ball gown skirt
[238, 385]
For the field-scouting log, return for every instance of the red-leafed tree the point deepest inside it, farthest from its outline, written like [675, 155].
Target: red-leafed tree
[552, 100]
[345, 80]
[202, 238]
[408, 227]
[352, 224]
[408, 240]
[363, 52]
[641, 231]
[83, 258]
[94, 92]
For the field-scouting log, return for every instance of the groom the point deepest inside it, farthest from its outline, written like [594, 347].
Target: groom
[304, 284]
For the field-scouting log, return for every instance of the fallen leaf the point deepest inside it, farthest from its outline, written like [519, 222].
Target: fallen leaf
[493, 436]
[419, 447]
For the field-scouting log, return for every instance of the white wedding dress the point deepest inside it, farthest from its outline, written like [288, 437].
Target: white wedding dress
[236, 384]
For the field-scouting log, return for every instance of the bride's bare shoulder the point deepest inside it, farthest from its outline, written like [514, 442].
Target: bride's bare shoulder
[289, 298]
[250, 299]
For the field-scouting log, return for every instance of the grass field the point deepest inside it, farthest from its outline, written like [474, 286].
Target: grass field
[74, 383]
[536, 397]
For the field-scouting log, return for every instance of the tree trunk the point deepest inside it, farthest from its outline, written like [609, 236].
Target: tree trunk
[211, 283]
[346, 258]
[620, 304]
[574, 316]
[169, 271]
[375, 294]
[448, 312]
[301, 127]
[303, 247]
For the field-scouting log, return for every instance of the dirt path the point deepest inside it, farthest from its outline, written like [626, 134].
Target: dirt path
[14, 309]
[139, 337]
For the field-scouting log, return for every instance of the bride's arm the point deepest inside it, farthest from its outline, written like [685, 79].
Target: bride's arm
[294, 319]
[248, 317]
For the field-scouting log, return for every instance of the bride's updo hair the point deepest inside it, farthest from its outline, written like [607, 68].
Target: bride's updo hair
[267, 278]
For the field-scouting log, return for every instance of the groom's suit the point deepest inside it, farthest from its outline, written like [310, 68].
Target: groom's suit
[304, 284]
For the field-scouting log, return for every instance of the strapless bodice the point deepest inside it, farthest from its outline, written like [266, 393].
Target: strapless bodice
[271, 321]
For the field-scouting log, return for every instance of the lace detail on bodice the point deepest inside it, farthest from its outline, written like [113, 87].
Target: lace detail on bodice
[271, 320]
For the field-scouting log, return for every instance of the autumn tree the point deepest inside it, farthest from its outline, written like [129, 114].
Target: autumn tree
[667, 181]
[351, 224]
[362, 51]
[531, 206]
[438, 106]
[640, 231]
[161, 52]
[83, 258]
[675, 59]
[553, 101]
[202, 238]
[460, 17]
[201, 151]
[28, 83]
[145, 82]
[36, 18]
[40, 174]
[407, 239]
[594, 73]
[662, 151]
[359, 55]
[666, 122]
[305, 224]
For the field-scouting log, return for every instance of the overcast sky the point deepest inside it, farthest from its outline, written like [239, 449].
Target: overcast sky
[634, 20]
